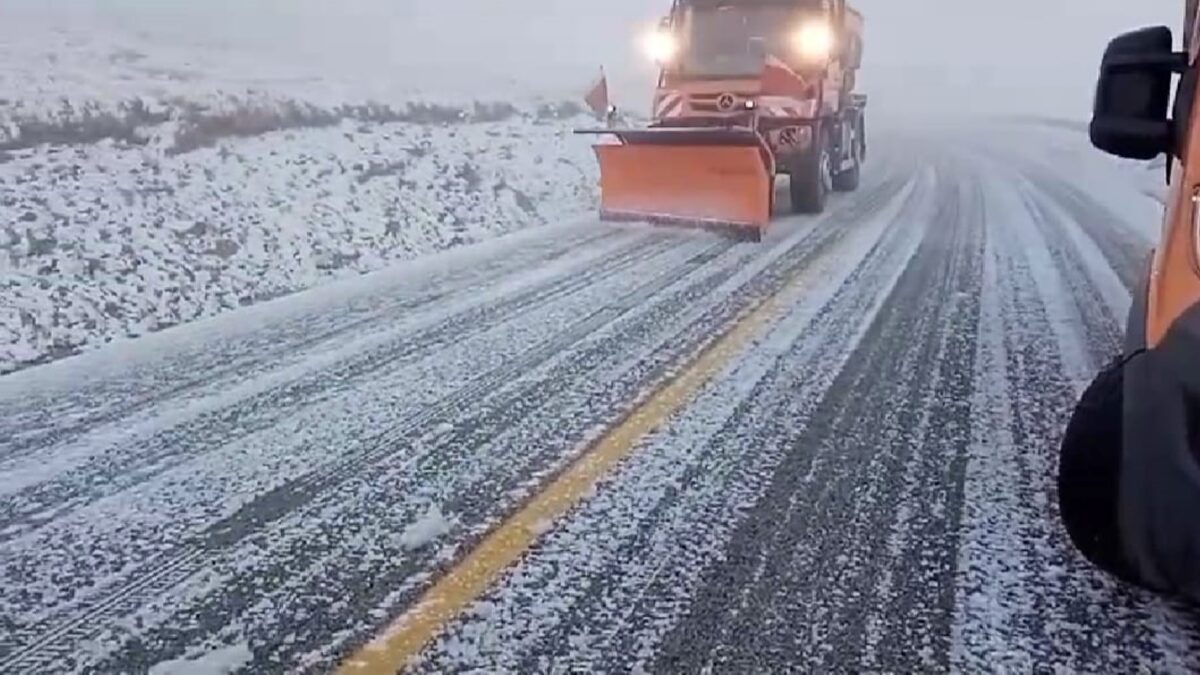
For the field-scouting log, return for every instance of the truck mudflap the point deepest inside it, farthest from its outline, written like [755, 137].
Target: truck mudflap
[721, 177]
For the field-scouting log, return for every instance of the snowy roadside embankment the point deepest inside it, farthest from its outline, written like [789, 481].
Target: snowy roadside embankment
[162, 162]
[113, 239]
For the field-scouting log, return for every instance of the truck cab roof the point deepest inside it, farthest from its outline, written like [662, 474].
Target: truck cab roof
[751, 3]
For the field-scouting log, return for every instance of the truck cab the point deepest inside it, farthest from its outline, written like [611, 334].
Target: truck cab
[725, 44]
[786, 68]
[730, 40]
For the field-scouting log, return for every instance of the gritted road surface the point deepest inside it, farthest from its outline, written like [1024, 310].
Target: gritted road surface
[867, 486]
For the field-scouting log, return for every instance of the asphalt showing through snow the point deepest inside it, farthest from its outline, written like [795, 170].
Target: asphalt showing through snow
[865, 487]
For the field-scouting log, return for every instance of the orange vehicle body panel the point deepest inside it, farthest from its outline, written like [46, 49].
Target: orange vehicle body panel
[720, 185]
[1174, 283]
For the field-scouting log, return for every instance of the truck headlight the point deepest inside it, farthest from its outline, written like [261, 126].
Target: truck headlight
[661, 46]
[814, 40]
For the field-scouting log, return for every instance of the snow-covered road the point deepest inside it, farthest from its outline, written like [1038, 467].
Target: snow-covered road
[866, 487]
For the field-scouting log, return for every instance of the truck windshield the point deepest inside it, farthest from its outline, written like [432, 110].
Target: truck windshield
[730, 41]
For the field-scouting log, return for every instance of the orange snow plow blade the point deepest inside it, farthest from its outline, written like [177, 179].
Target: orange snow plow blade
[714, 177]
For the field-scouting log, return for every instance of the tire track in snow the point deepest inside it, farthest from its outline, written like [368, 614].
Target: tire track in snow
[756, 278]
[988, 603]
[675, 495]
[1120, 244]
[180, 573]
[277, 503]
[66, 536]
[485, 495]
[1025, 598]
[724, 477]
[10, 549]
[927, 544]
[479, 482]
[1098, 328]
[291, 333]
[122, 465]
[34, 423]
[793, 590]
[908, 623]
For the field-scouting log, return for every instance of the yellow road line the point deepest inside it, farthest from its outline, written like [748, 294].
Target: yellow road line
[474, 575]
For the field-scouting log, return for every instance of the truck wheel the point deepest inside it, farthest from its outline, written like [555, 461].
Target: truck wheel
[848, 180]
[1089, 473]
[812, 178]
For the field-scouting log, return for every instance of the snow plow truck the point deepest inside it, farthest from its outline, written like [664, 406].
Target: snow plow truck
[747, 90]
[1129, 469]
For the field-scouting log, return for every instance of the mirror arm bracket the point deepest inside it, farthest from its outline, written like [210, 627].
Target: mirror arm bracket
[1175, 62]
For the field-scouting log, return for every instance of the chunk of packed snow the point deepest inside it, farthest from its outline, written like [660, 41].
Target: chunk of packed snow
[425, 530]
[218, 662]
[542, 526]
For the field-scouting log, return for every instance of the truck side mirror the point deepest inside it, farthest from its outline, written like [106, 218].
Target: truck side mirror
[1133, 93]
[852, 52]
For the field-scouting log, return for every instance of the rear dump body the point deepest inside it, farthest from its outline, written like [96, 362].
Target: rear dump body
[716, 141]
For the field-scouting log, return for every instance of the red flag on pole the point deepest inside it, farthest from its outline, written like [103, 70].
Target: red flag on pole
[597, 96]
[778, 79]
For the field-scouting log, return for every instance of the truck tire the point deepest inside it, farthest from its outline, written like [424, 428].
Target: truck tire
[812, 179]
[1089, 473]
[848, 180]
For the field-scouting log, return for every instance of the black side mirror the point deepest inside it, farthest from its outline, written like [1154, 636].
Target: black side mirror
[852, 52]
[1134, 91]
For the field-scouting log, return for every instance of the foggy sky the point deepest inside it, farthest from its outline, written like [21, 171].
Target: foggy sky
[1035, 56]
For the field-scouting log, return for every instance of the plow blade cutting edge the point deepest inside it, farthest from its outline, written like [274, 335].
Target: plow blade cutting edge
[707, 177]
